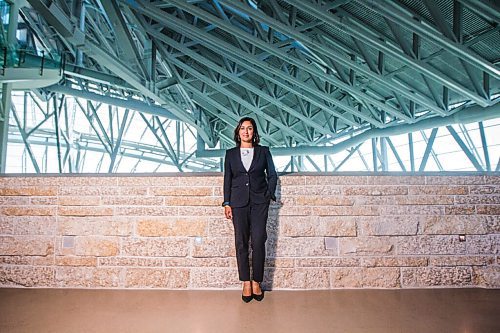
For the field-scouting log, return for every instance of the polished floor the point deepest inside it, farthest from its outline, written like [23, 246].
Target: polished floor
[350, 311]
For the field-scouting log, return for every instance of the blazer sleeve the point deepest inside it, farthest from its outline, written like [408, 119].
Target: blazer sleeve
[228, 176]
[272, 176]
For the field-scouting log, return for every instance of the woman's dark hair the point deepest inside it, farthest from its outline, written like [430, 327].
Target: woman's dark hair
[255, 138]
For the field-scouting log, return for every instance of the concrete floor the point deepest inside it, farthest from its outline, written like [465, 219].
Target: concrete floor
[405, 311]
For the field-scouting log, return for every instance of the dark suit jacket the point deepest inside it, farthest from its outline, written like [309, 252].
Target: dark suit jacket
[258, 183]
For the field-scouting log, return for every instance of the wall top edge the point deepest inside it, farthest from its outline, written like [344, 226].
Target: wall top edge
[281, 174]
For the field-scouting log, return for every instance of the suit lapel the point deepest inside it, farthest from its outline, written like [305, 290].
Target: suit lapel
[256, 155]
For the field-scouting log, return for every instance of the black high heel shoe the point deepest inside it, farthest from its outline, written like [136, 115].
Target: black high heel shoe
[259, 297]
[246, 299]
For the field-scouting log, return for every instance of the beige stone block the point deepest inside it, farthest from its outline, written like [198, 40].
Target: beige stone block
[287, 180]
[428, 245]
[322, 190]
[346, 210]
[201, 210]
[284, 278]
[98, 181]
[88, 277]
[185, 190]
[411, 210]
[394, 262]
[313, 226]
[478, 199]
[134, 190]
[171, 180]
[366, 246]
[492, 179]
[192, 180]
[84, 211]
[202, 278]
[460, 210]
[147, 211]
[214, 247]
[29, 191]
[484, 189]
[492, 224]
[26, 245]
[79, 200]
[75, 191]
[155, 247]
[488, 209]
[470, 260]
[27, 225]
[336, 180]
[296, 247]
[95, 225]
[27, 211]
[129, 262]
[425, 200]
[290, 210]
[157, 278]
[327, 262]
[97, 246]
[453, 224]
[395, 180]
[75, 261]
[374, 200]
[200, 262]
[221, 227]
[41, 201]
[389, 225]
[132, 201]
[22, 276]
[482, 244]
[323, 201]
[192, 201]
[423, 277]
[437, 190]
[365, 277]
[279, 262]
[49, 260]
[455, 180]
[171, 226]
[15, 260]
[375, 190]
[24, 180]
[14, 201]
[487, 276]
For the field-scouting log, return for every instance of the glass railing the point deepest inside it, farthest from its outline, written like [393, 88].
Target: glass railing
[29, 58]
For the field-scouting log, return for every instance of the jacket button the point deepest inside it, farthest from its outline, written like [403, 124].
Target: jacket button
[246, 184]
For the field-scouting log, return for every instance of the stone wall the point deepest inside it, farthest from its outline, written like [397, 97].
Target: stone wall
[327, 231]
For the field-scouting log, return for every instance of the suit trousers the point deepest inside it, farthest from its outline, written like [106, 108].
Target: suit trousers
[250, 224]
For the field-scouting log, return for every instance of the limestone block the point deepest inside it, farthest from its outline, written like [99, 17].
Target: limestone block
[453, 225]
[374, 200]
[425, 200]
[148, 181]
[214, 247]
[157, 278]
[314, 200]
[478, 199]
[95, 225]
[97, 181]
[438, 190]
[99, 246]
[200, 262]
[307, 226]
[73, 200]
[192, 201]
[132, 201]
[185, 190]
[366, 246]
[394, 262]
[29, 191]
[335, 180]
[488, 209]
[171, 226]
[22, 276]
[223, 227]
[27, 225]
[88, 277]
[362, 277]
[49, 260]
[75, 261]
[395, 180]
[202, 278]
[487, 276]
[190, 180]
[284, 278]
[427, 245]
[216, 210]
[15, 260]
[454, 180]
[492, 224]
[146, 211]
[84, 211]
[14, 201]
[481, 244]
[272, 262]
[27, 210]
[284, 181]
[296, 247]
[410, 210]
[471, 260]
[460, 210]
[484, 189]
[290, 210]
[422, 277]
[346, 211]
[322, 190]
[134, 190]
[327, 262]
[389, 225]
[375, 190]
[129, 262]
[26, 245]
[155, 247]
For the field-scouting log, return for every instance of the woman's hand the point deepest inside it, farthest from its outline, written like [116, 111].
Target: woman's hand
[228, 212]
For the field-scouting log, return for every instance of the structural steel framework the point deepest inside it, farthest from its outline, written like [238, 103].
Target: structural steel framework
[110, 86]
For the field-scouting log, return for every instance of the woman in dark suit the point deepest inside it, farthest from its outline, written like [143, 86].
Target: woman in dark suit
[249, 184]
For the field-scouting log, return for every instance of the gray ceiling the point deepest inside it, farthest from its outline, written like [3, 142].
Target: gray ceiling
[309, 71]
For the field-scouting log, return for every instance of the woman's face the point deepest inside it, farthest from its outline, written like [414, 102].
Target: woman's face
[246, 132]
